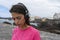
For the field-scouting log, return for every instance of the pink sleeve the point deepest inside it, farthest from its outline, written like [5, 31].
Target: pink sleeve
[37, 36]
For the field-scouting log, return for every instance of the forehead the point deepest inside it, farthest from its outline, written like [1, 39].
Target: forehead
[16, 14]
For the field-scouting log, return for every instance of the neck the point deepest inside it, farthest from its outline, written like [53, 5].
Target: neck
[24, 26]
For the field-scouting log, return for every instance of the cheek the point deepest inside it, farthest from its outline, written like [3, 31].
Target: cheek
[22, 21]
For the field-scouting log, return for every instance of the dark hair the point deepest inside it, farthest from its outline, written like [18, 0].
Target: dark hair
[21, 9]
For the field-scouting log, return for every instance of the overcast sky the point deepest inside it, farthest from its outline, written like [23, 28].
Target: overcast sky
[41, 8]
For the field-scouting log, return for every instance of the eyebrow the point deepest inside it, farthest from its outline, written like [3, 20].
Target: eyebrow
[16, 17]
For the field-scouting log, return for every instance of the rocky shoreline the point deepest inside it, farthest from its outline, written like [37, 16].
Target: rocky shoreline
[6, 32]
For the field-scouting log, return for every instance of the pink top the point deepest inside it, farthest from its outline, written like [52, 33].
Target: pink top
[28, 34]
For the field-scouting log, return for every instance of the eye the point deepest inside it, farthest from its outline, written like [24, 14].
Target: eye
[13, 18]
[18, 18]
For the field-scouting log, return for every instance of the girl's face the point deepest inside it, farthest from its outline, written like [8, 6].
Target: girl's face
[18, 19]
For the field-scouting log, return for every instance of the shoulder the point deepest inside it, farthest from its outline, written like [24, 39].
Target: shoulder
[34, 30]
[36, 34]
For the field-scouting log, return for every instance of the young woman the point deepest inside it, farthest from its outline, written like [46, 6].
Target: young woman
[23, 30]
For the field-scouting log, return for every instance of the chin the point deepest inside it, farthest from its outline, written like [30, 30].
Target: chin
[18, 25]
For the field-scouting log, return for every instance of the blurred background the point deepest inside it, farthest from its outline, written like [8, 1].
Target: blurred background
[44, 16]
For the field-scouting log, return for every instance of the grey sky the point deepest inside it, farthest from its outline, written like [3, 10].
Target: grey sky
[42, 8]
